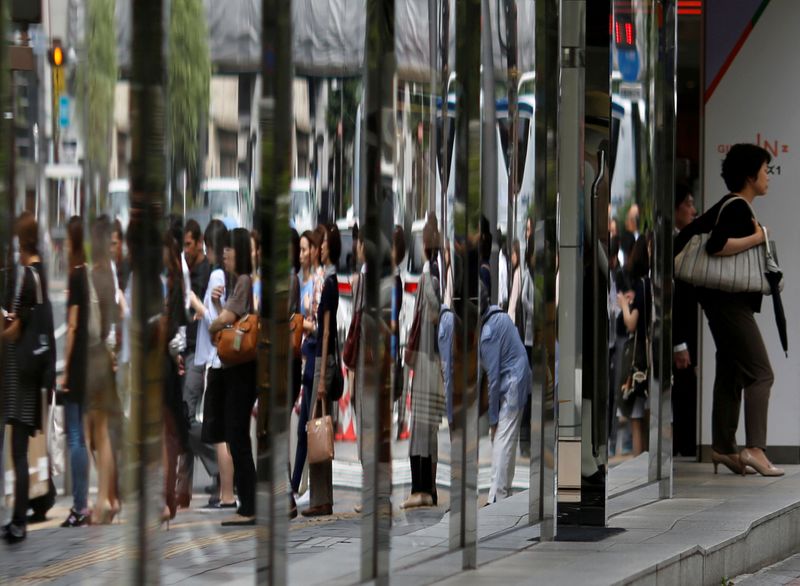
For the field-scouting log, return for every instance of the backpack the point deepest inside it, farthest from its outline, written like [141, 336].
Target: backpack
[36, 346]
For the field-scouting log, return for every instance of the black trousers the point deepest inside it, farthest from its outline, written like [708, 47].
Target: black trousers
[20, 436]
[240, 395]
[421, 475]
[684, 411]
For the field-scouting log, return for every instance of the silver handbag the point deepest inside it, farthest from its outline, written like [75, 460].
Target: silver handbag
[737, 273]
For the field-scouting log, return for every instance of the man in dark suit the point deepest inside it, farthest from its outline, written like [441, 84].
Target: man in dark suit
[684, 344]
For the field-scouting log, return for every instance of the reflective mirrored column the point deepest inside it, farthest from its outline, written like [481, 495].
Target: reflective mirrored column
[147, 187]
[466, 225]
[573, 289]
[274, 375]
[544, 397]
[376, 280]
[660, 469]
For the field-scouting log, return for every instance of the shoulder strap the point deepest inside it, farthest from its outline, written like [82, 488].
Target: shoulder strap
[735, 197]
[490, 314]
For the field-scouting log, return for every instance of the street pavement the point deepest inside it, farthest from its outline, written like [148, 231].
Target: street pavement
[784, 572]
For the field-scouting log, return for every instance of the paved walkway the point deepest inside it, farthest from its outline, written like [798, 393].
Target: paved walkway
[784, 572]
[716, 528]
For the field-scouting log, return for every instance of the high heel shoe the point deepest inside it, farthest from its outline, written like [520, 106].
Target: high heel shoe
[102, 515]
[730, 461]
[757, 459]
[167, 515]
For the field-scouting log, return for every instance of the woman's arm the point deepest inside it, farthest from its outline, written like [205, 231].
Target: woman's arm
[630, 317]
[226, 317]
[737, 245]
[72, 327]
[322, 392]
[197, 305]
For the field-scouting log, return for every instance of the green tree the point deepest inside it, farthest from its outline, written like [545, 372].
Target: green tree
[188, 89]
[97, 80]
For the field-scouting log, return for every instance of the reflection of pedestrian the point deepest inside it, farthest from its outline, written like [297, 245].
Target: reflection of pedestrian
[684, 344]
[321, 475]
[427, 396]
[239, 380]
[23, 392]
[505, 362]
[74, 375]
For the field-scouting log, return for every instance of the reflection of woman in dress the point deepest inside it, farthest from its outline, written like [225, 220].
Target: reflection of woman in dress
[102, 400]
[23, 393]
[427, 393]
[742, 359]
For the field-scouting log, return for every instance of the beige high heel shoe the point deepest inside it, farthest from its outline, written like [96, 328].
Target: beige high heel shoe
[757, 459]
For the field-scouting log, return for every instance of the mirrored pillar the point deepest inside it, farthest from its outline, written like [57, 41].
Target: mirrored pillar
[466, 221]
[374, 360]
[544, 396]
[660, 469]
[272, 505]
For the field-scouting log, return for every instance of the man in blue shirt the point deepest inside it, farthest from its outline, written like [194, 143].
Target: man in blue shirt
[503, 358]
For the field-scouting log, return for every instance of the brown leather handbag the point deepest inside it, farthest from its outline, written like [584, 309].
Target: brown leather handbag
[320, 437]
[237, 343]
[296, 329]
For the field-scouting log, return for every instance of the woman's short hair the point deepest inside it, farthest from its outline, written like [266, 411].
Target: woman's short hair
[682, 191]
[77, 254]
[215, 237]
[193, 228]
[334, 243]
[28, 233]
[399, 242]
[239, 241]
[743, 162]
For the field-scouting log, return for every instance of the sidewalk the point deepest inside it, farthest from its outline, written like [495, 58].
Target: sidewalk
[717, 527]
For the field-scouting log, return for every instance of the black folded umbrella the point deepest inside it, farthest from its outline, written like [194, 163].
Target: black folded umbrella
[774, 279]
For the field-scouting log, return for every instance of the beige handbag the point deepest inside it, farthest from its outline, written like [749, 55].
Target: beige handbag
[738, 273]
[320, 436]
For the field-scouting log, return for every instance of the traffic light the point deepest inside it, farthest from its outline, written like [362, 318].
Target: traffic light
[56, 57]
[56, 53]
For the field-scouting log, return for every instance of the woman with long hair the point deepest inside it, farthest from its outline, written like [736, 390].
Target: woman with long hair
[23, 389]
[239, 380]
[321, 475]
[74, 375]
[310, 282]
[102, 401]
[213, 430]
[175, 417]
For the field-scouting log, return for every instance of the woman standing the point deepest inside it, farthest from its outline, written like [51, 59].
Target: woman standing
[102, 401]
[213, 431]
[74, 376]
[240, 379]
[23, 391]
[742, 359]
[427, 394]
[321, 475]
[176, 429]
[310, 282]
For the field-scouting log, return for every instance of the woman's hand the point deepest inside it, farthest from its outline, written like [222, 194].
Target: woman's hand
[322, 394]
[622, 300]
[216, 293]
[65, 382]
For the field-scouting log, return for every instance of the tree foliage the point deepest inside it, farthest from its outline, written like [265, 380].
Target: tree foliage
[97, 78]
[188, 85]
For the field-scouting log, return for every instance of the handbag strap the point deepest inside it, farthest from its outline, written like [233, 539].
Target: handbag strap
[735, 197]
[324, 408]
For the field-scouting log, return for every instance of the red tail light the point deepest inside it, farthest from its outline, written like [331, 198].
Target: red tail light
[345, 288]
[411, 287]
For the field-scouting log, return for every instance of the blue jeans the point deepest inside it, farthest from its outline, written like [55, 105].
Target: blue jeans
[78, 455]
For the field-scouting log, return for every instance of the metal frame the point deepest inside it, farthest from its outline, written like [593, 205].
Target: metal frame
[274, 372]
[374, 375]
[464, 488]
[544, 398]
